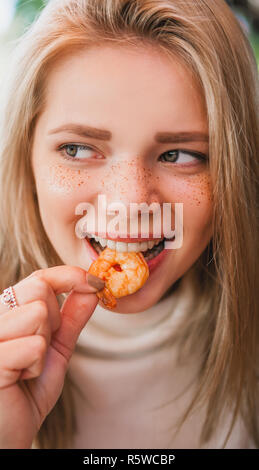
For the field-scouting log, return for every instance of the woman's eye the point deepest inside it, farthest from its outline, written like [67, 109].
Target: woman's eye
[182, 157]
[76, 151]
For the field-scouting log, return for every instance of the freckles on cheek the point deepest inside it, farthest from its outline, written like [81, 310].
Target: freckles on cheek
[60, 190]
[195, 190]
[63, 181]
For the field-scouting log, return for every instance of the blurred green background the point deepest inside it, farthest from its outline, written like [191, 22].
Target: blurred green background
[16, 16]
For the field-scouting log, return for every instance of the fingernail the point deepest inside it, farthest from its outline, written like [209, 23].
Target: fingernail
[84, 288]
[95, 282]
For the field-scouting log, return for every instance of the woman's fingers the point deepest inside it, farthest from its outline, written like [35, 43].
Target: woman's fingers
[29, 290]
[42, 317]
[27, 320]
[21, 358]
[35, 287]
[93, 283]
[38, 311]
[65, 278]
[37, 339]
[76, 311]
[45, 284]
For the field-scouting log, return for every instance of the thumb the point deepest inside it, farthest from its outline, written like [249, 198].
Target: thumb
[76, 311]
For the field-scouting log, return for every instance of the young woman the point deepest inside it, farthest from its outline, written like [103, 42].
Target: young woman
[138, 101]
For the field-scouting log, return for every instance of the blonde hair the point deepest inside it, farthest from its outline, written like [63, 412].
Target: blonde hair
[209, 40]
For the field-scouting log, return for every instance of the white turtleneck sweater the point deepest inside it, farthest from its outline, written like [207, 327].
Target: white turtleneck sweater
[132, 390]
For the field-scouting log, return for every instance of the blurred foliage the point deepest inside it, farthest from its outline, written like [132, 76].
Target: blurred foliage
[254, 39]
[29, 9]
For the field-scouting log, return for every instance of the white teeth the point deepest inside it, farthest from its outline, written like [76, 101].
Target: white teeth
[125, 247]
[111, 244]
[121, 247]
[103, 242]
[143, 246]
[134, 247]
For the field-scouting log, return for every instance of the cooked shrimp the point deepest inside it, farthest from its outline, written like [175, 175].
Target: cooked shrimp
[123, 273]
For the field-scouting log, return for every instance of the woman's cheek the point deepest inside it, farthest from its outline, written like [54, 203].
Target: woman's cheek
[60, 189]
[65, 181]
[195, 193]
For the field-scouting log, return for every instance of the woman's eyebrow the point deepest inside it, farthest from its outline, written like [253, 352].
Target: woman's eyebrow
[179, 137]
[102, 134]
[83, 131]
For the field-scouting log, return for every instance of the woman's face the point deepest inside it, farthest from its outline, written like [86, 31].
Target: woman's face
[131, 95]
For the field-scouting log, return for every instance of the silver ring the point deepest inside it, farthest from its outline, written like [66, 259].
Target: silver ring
[8, 297]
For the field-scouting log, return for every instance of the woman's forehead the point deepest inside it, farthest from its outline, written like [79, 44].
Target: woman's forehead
[123, 83]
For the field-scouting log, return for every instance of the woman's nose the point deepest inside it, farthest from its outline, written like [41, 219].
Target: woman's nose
[132, 190]
[130, 182]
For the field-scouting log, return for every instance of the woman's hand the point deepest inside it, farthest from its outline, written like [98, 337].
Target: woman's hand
[37, 340]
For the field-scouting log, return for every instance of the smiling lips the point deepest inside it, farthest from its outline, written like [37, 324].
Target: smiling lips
[125, 246]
